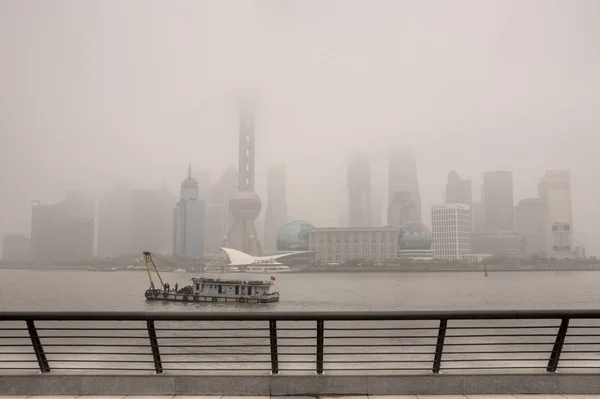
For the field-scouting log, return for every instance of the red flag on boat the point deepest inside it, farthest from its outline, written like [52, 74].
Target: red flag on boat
[273, 278]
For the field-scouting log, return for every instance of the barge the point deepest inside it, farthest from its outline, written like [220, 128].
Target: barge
[210, 289]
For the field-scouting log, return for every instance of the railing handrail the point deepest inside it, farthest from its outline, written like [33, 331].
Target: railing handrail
[302, 316]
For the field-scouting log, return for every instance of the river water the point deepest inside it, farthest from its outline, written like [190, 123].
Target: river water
[69, 290]
[375, 347]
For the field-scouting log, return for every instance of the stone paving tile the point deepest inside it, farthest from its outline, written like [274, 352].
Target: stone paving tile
[52, 396]
[101, 396]
[538, 396]
[197, 397]
[245, 397]
[344, 397]
[582, 396]
[490, 397]
[441, 396]
[393, 397]
[149, 396]
[293, 397]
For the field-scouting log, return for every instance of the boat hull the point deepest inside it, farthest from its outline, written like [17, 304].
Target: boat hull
[178, 297]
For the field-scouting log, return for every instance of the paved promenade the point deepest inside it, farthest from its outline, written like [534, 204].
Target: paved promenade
[309, 397]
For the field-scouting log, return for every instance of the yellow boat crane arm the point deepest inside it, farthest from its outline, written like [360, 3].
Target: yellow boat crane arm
[148, 259]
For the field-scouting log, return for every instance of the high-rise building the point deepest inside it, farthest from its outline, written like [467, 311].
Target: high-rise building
[555, 189]
[218, 216]
[404, 199]
[135, 220]
[188, 219]
[478, 216]
[458, 191]
[276, 213]
[498, 201]
[63, 232]
[245, 204]
[359, 192]
[451, 230]
[532, 220]
[16, 248]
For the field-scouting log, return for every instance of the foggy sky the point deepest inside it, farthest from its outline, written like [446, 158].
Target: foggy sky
[99, 93]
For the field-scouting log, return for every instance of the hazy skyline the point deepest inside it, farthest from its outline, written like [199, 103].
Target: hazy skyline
[96, 93]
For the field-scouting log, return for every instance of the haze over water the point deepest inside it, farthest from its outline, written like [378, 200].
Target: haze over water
[108, 93]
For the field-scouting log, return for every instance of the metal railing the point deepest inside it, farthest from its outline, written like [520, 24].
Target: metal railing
[302, 342]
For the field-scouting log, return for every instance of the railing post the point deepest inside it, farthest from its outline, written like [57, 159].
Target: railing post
[154, 345]
[439, 346]
[273, 339]
[558, 345]
[37, 347]
[320, 345]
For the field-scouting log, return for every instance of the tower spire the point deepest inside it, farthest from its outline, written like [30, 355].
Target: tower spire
[189, 171]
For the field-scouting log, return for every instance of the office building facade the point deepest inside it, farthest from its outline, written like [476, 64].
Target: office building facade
[451, 231]
[343, 244]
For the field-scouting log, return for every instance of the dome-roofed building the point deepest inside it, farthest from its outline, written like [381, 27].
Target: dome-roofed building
[293, 236]
[414, 241]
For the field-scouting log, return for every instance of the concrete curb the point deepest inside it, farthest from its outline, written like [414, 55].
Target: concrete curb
[281, 385]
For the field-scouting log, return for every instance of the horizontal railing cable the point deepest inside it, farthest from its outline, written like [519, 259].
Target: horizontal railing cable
[275, 342]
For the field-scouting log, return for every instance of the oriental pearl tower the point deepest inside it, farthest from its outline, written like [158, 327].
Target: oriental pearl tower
[245, 205]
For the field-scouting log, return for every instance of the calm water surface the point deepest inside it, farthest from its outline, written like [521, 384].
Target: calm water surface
[66, 290]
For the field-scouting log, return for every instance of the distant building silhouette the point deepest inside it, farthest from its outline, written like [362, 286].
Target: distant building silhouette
[458, 191]
[404, 199]
[188, 221]
[532, 220]
[555, 189]
[359, 192]
[478, 216]
[63, 232]
[498, 201]
[132, 221]
[276, 214]
[218, 215]
[451, 231]
[16, 248]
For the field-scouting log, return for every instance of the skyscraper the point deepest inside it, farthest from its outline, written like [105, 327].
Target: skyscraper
[134, 220]
[218, 216]
[245, 204]
[458, 191]
[359, 192]
[532, 220]
[62, 232]
[188, 221]
[498, 201]
[451, 231]
[555, 189]
[404, 199]
[276, 213]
